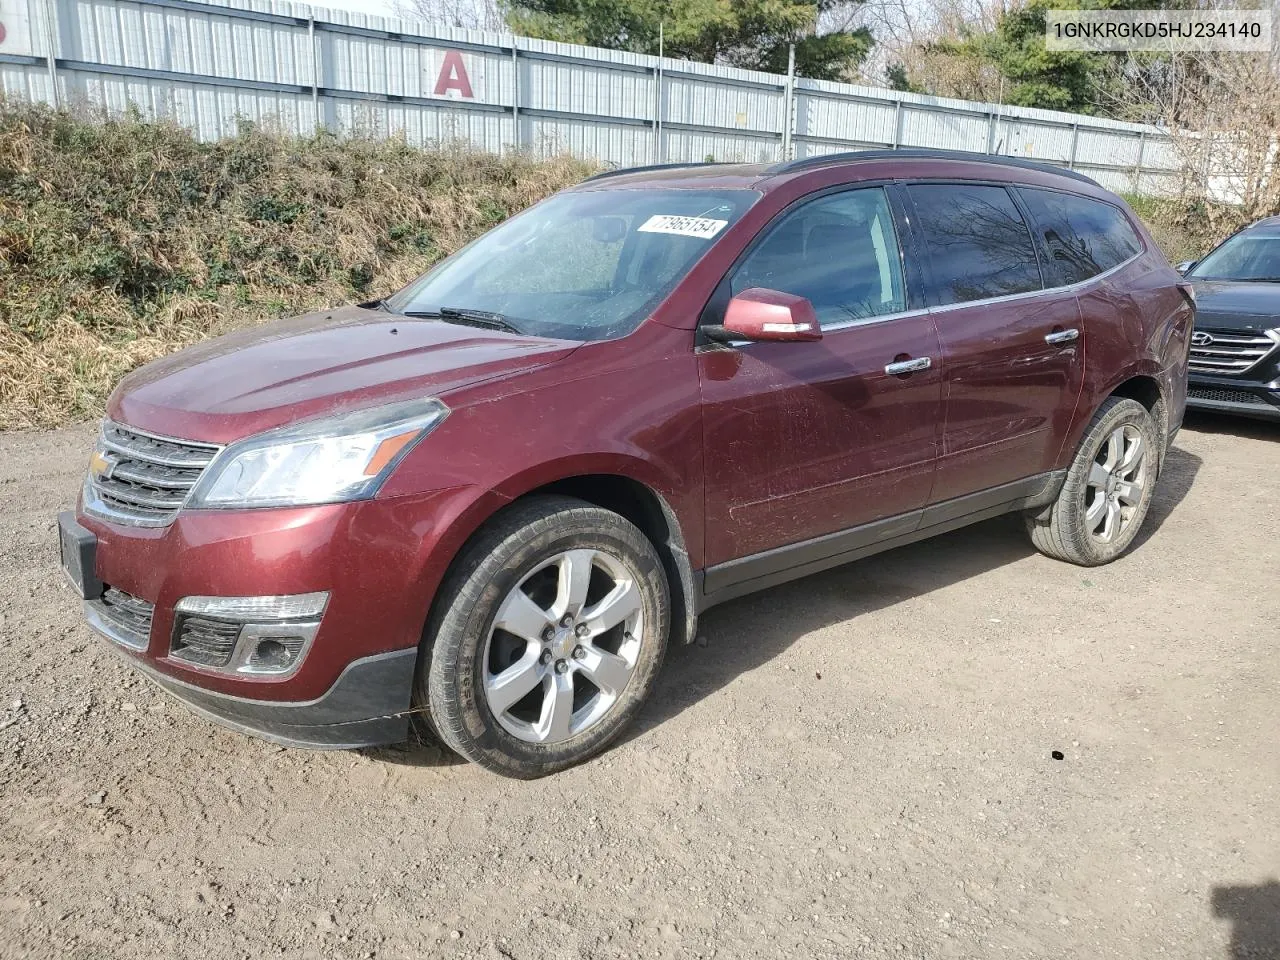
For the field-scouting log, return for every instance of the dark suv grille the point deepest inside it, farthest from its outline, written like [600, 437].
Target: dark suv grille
[125, 617]
[1228, 352]
[146, 478]
[1225, 396]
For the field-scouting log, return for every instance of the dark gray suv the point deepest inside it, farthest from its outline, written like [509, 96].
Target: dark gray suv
[1235, 349]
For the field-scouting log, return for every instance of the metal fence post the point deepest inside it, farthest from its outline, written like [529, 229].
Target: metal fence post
[788, 103]
[315, 73]
[515, 93]
[1075, 143]
[657, 100]
[897, 125]
[51, 42]
[1137, 167]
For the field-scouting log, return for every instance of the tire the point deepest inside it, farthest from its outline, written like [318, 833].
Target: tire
[519, 611]
[1076, 525]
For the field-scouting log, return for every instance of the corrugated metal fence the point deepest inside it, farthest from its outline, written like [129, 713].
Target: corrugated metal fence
[209, 64]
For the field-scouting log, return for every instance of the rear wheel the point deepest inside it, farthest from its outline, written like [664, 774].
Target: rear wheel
[553, 628]
[1108, 488]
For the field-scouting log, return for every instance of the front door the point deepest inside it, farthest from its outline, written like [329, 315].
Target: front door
[806, 439]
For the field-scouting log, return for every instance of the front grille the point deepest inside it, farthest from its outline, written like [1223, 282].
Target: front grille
[209, 643]
[1225, 396]
[144, 479]
[1229, 352]
[125, 617]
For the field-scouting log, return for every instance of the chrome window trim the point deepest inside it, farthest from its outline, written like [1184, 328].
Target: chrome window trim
[880, 318]
[1065, 288]
[1072, 288]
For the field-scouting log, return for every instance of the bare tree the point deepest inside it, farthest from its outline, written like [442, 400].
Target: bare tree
[1222, 112]
[907, 32]
[472, 14]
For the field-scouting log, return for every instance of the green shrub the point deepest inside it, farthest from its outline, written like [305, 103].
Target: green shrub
[123, 240]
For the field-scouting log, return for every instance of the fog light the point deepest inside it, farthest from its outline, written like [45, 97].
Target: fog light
[275, 653]
[253, 635]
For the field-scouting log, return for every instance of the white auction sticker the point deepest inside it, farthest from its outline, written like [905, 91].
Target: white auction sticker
[702, 227]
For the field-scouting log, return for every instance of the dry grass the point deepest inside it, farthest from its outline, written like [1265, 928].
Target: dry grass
[123, 241]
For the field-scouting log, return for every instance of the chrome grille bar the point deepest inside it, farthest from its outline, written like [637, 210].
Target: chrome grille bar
[1231, 353]
[143, 479]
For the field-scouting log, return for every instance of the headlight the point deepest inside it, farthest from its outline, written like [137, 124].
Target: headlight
[322, 461]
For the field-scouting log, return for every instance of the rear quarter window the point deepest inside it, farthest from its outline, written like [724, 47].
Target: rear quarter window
[1082, 237]
[979, 246]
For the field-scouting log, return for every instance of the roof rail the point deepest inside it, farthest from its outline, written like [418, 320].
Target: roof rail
[604, 175]
[925, 153]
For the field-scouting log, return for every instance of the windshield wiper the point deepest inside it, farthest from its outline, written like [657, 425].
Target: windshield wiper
[475, 318]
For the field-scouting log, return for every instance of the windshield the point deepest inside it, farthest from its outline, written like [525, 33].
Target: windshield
[1246, 256]
[579, 266]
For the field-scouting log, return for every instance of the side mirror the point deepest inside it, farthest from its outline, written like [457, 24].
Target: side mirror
[1185, 266]
[762, 314]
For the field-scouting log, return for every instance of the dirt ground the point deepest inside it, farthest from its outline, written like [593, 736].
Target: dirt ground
[856, 765]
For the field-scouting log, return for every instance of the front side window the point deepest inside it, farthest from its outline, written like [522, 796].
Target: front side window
[979, 246]
[1083, 237]
[1246, 256]
[839, 251]
[586, 265]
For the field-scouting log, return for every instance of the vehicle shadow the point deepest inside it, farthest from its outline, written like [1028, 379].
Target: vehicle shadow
[1203, 421]
[746, 633]
[1176, 480]
[417, 751]
[1254, 913]
[751, 631]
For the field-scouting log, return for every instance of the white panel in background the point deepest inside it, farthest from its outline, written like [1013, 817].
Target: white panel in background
[15, 27]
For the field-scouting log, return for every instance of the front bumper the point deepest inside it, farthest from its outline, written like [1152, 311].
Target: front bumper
[1259, 401]
[379, 561]
[377, 689]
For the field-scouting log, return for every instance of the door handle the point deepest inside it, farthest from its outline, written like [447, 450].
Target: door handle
[908, 366]
[1061, 336]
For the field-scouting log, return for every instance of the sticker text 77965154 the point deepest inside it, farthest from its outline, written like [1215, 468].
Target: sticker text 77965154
[702, 227]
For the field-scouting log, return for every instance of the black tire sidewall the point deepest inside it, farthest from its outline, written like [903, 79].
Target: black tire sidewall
[454, 675]
[1073, 505]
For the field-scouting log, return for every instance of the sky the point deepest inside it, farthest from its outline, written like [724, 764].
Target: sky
[381, 8]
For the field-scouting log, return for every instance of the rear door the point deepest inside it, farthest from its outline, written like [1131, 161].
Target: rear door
[806, 439]
[1013, 351]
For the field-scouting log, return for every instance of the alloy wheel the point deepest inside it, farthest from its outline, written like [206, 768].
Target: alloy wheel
[1117, 480]
[564, 644]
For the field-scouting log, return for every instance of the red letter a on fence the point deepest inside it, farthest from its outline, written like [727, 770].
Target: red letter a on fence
[453, 76]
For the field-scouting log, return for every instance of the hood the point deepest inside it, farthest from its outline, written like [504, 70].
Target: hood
[1237, 304]
[310, 366]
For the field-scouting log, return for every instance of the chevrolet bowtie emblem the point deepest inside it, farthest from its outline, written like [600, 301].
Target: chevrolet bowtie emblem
[100, 466]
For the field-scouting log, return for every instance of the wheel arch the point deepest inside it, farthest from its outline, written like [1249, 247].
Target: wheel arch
[1141, 382]
[1147, 390]
[610, 485]
[650, 511]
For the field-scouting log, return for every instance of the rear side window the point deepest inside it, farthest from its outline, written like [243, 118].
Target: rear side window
[979, 246]
[839, 251]
[1083, 237]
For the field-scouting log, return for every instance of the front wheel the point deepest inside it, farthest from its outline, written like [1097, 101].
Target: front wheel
[1107, 491]
[553, 628]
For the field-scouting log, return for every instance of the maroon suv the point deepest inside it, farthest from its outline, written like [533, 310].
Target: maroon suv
[488, 502]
